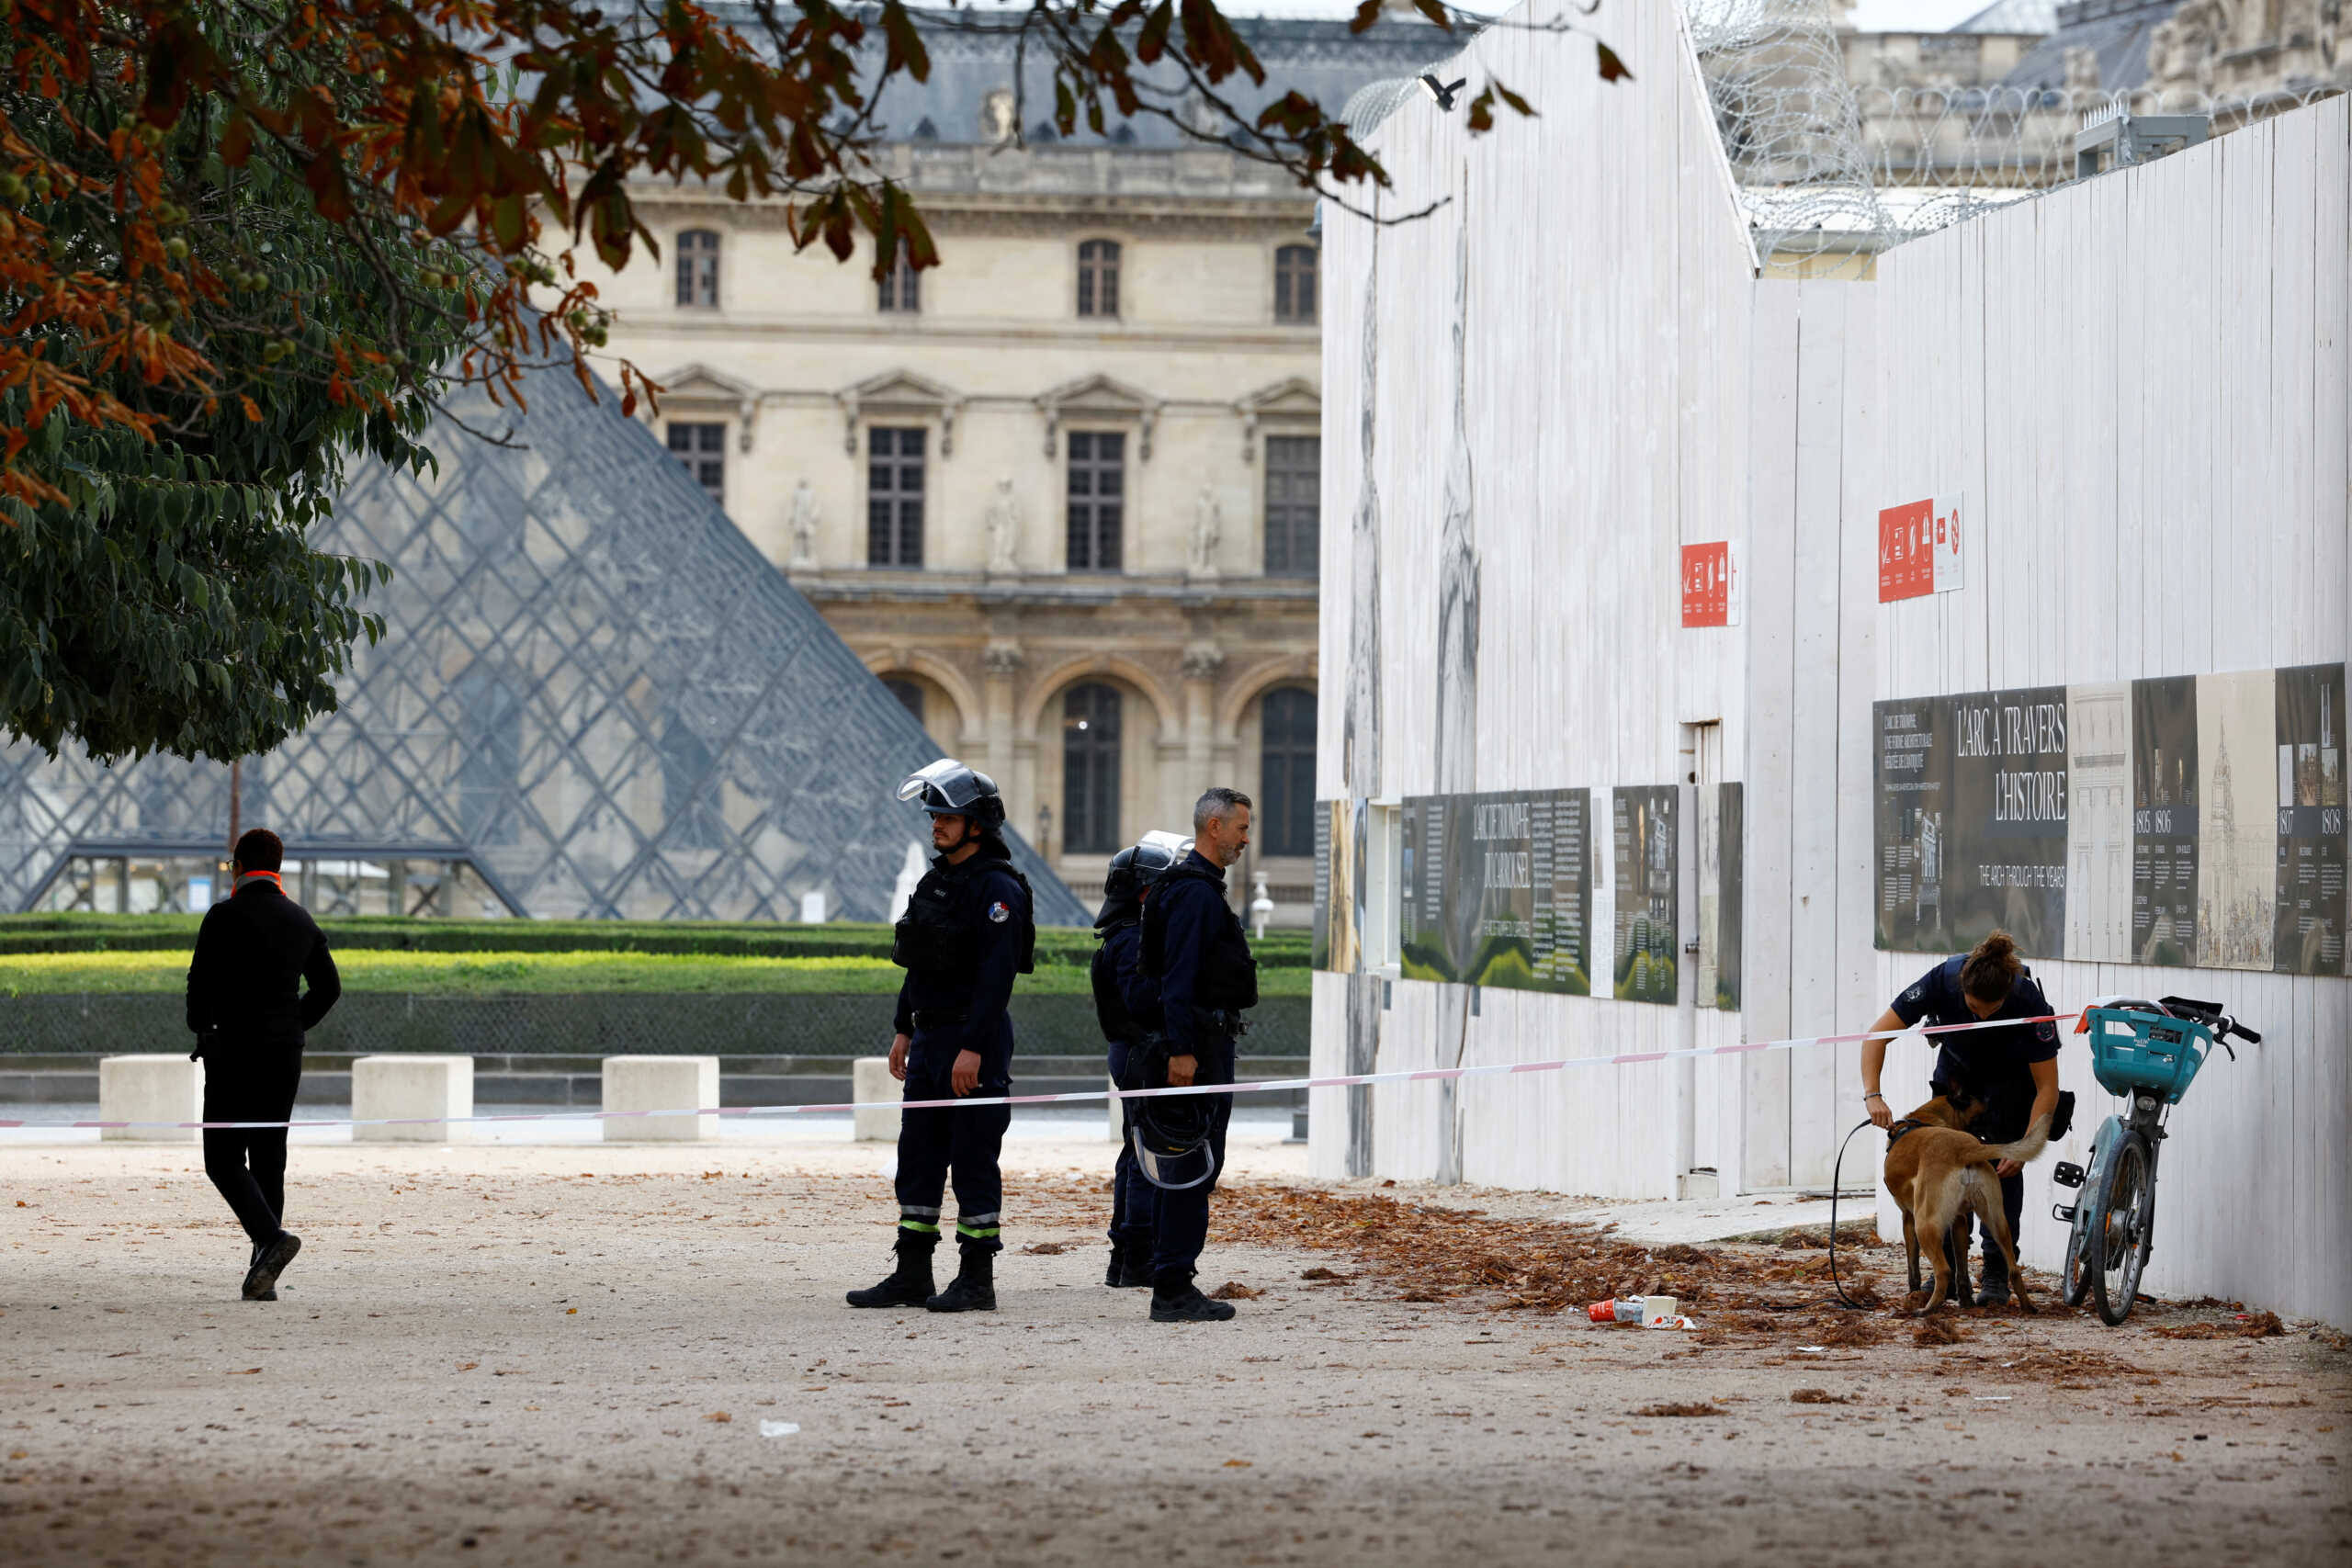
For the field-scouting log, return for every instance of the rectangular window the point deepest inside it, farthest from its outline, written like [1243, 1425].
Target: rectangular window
[699, 269]
[894, 480]
[703, 449]
[1294, 283]
[1098, 497]
[1293, 505]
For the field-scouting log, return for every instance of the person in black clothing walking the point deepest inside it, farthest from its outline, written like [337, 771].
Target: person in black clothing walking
[1193, 946]
[2013, 1070]
[966, 932]
[1127, 1004]
[249, 1013]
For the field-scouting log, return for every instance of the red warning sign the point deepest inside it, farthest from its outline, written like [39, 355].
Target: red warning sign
[1918, 549]
[1706, 585]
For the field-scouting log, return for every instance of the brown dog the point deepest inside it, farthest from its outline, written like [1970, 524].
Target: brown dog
[1936, 1172]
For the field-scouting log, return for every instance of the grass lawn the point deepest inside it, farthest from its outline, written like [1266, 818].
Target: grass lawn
[541, 974]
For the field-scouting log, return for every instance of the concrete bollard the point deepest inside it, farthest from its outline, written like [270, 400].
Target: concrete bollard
[412, 1085]
[150, 1089]
[660, 1083]
[869, 1080]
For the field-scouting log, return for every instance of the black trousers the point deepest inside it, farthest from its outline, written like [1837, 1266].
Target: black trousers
[957, 1142]
[1181, 1228]
[2007, 1107]
[1134, 1202]
[248, 1164]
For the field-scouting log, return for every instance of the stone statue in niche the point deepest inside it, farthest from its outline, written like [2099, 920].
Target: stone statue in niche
[998, 125]
[1208, 532]
[803, 519]
[1004, 531]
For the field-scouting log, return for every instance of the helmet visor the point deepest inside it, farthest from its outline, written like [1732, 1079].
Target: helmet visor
[945, 786]
[1175, 846]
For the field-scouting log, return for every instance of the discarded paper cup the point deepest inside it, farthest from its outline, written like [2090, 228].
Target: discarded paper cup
[1615, 1311]
[1658, 1309]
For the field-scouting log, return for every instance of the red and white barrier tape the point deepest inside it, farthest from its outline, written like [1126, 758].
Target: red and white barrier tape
[1262, 1086]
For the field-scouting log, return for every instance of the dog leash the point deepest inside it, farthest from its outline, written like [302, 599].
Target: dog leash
[1836, 1171]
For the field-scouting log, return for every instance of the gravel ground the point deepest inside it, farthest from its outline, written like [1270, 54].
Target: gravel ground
[556, 1355]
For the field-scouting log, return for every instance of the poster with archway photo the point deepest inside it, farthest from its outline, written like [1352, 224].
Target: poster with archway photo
[1334, 947]
[2237, 819]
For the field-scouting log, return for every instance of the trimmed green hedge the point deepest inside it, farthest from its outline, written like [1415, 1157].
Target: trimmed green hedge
[101, 933]
[600, 1025]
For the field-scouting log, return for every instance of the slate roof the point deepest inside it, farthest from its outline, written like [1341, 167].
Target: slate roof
[2115, 30]
[1319, 58]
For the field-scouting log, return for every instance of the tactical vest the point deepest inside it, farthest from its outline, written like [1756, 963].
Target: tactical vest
[1228, 974]
[936, 933]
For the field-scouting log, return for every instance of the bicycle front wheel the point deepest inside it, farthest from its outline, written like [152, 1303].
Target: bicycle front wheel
[2076, 1282]
[2123, 1222]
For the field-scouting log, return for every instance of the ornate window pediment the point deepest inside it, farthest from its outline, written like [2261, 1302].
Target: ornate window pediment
[1099, 398]
[1294, 402]
[902, 393]
[697, 389]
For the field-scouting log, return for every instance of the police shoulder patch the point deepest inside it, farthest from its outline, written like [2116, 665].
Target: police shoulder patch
[1000, 911]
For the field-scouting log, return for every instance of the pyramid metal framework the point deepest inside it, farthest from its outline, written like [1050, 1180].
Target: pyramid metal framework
[595, 695]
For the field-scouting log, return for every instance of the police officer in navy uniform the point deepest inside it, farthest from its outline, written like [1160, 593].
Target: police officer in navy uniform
[966, 932]
[1127, 1003]
[2013, 1071]
[1193, 946]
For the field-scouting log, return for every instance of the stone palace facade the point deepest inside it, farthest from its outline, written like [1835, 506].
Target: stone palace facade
[1061, 491]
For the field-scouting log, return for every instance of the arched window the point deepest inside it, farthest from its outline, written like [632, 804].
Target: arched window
[909, 696]
[1287, 767]
[1091, 770]
[1294, 283]
[1098, 277]
[698, 269]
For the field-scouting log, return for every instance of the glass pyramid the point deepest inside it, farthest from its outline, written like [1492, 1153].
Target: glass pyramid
[594, 699]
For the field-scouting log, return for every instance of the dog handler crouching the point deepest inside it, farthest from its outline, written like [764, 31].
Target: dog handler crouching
[2014, 1071]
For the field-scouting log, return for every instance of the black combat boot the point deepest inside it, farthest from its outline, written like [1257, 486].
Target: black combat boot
[1996, 1289]
[974, 1287]
[1134, 1263]
[910, 1283]
[1114, 1273]
[1175, 1299]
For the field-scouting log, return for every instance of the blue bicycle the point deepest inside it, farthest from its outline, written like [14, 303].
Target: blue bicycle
[2148, 1052]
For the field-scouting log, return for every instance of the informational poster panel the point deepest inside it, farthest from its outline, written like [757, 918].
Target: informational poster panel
[1722, 842]
[1972, 820]
[1644, 852]
[2310, 898]
[1913, 764]
[2099, 822]
[1335, 905]
[2237, 819]
[2164, 820]
[1496, 891]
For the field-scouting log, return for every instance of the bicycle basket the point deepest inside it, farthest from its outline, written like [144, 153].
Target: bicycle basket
[2145, 1053]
